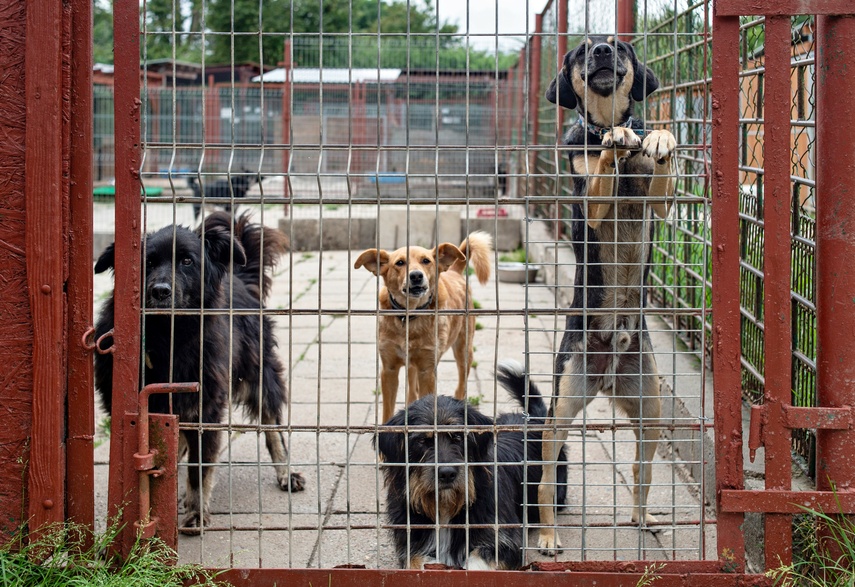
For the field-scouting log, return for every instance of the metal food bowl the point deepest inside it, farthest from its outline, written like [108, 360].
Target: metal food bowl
[517, 272]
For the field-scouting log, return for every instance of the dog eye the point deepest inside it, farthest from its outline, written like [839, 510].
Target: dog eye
[187, 261]
[425, 261]
[457, 437]
[400, 263]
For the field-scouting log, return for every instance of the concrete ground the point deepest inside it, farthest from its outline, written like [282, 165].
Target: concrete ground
[333, 363]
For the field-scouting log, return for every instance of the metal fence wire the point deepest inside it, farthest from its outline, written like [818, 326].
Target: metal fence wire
[384, 127]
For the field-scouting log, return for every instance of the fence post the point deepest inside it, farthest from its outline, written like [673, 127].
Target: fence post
[727, 372]
[562, 49]
[126, 108]
[535, 73]
[835, 223]
[626, 20]
[80, 472]
[777, 282]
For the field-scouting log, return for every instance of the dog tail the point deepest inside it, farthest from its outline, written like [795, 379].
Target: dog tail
[478, 249]
[511, 375]
[264, 246]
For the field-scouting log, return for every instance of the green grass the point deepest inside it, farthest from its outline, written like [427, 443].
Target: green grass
[826, 562]
[59, 559]
[474, 400]
[650, 575]
[516, 256]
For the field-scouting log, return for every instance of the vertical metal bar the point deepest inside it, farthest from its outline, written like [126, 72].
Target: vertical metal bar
[776, 287]
[535, 74]
[626, 19]
[80, 473]
[725, 289]
[286, 115]
[561, 28]
[562, 47]
[835, 220]
[46, 257]
[126, 39]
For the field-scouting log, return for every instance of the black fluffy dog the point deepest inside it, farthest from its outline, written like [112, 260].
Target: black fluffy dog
[236, 185]
[463, 482]
[201, 344]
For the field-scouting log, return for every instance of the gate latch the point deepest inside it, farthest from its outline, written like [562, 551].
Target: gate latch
[144, 458]
[795, 418]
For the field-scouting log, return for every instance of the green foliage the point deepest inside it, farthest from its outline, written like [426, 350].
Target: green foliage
[59, 558]
[102, 33]
[823, 552]
[324, 34]
[516, 256]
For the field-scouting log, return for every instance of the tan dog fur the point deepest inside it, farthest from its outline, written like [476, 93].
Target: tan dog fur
[418, 337]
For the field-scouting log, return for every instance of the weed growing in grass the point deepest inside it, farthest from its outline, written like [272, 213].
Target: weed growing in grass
[516, 256]
[823, 552]
[650, 575]
[59, 559]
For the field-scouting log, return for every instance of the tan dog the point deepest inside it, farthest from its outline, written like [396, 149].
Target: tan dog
[421, 283]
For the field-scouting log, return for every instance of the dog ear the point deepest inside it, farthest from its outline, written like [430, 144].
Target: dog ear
[390, 445]
[447, 255]
[107, 260]
[219, 245]
[375, 260]
[561, 92]
[644, 83]
[481, 439]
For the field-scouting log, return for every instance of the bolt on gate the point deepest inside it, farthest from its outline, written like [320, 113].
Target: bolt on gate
[362, 155]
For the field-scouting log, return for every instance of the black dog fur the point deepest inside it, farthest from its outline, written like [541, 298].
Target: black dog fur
[231, 253]
[447, 458]
[236, 185]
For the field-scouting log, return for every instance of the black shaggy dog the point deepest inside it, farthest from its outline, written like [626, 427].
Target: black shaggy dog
[236, 185]
[444, 476]
[255, 367]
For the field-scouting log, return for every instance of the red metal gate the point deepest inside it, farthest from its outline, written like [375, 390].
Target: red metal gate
[771, 423]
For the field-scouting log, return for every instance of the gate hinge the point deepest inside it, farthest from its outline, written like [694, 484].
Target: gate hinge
[795, 418]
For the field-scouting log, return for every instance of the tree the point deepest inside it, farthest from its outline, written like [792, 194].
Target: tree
[328, 33]
[102, 33]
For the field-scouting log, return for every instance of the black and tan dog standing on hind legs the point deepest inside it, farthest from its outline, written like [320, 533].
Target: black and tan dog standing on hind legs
[606, 346]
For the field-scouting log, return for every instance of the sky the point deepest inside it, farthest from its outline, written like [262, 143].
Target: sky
[482, 19]
[511, 23]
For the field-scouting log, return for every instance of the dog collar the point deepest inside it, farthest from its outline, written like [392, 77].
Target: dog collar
[397, 306]
[600, 131]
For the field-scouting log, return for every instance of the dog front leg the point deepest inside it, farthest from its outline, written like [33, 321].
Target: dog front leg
[602, 184]
[659, 145]
[201, 478]
[389, 390]
[414, 383]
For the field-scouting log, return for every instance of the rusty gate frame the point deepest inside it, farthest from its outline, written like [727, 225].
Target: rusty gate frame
[770, 422]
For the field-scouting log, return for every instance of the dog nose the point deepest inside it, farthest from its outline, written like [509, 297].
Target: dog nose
[447, 474]
[602, 50]
[416, 277]
[161, 291]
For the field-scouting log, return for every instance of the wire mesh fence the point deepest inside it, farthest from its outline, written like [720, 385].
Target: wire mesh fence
[350, 140]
